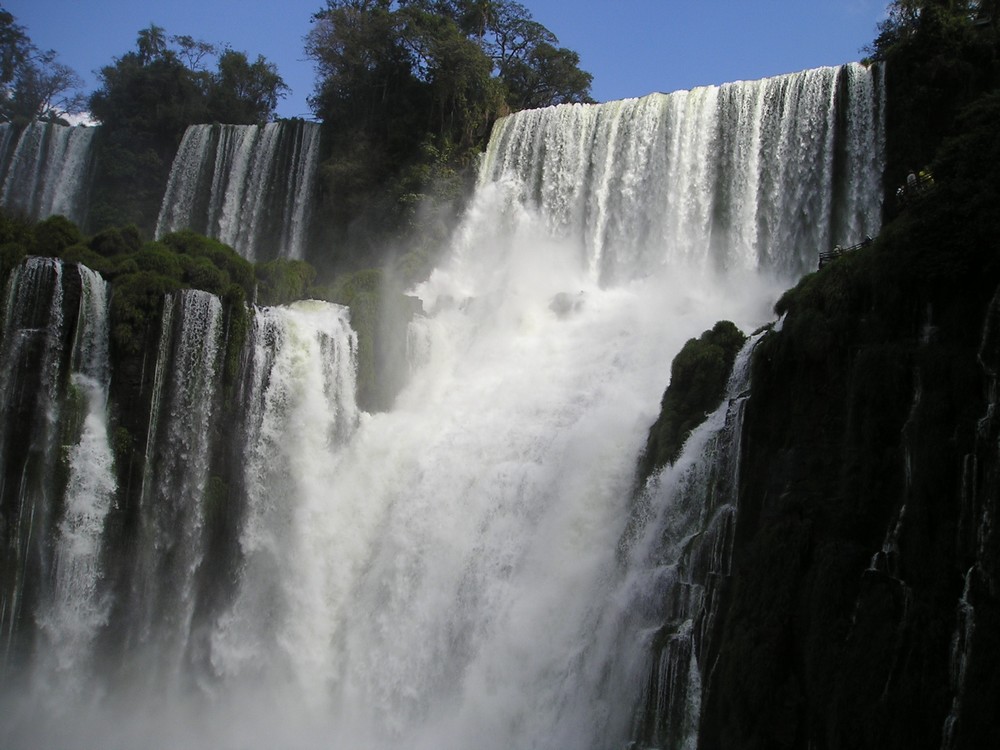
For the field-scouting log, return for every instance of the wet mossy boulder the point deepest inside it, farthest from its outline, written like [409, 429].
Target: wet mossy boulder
[698, 379]
[136, 305]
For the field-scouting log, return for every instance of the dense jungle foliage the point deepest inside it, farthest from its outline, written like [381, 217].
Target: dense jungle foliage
[147, 98]
[940, 55]
[142, 272]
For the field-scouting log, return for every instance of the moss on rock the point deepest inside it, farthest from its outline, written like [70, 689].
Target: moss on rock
[698, 379]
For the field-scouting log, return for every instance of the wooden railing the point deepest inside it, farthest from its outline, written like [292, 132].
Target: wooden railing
[837, 251]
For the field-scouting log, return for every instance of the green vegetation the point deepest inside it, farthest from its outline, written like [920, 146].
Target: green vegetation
[941, 55]
[698, 377]
[33, 85]
[55, 234]
[380, 313]
[142, 273]
[281, 281]
[408, 93]
[17, 239]
[146, 100]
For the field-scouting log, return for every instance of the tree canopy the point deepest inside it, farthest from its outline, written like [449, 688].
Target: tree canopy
[146, 99]
[163, 85]
[33, 84]
[409, 90]
[904, 19]
[941, 55]
[455, 48]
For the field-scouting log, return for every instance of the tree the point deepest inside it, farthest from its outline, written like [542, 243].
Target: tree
[242, 92]
[360, 60]
[144, 104]
[536, 71]
[45, 90]
[355, 41]
[546, 75]
[905, 18]
[373, 107]
[151, 44]
[15, 47]
[33, 85]
[479, 16]
[408, 91]
[152, 94]
[193, 51]
[465, 98]
[161, 89]
[525, 54]
[148, 97]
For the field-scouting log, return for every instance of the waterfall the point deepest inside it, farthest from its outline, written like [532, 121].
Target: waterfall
[46, 169]
[679, 555]
[461, 571]
[249, 186]
[30, 388]
[58, 482]
[774, 171]
[178, 449]
[77, 607]
[300, 409]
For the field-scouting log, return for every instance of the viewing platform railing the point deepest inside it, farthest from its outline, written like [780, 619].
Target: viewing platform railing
[837, 251]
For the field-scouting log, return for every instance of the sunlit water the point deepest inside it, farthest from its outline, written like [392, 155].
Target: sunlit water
[448, 574]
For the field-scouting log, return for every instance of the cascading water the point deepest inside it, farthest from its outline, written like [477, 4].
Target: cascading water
[977, 537]
[178, 450]
[449, 573]
[75, 609]
[301, 396]
[249, 186]
[45, 169]
[30, 388]
[678, 551]
[58, 478]
[770, 176]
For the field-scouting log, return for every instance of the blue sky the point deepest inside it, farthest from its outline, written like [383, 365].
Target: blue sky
[632, 47]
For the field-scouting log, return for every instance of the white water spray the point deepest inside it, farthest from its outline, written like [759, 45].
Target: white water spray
[178, 452]
[447, 574]
[78, 608]
[46, 170]
[301, 409]
[249, 186]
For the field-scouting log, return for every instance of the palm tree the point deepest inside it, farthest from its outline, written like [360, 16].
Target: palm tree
[152, 44]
